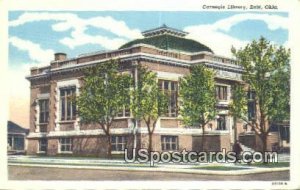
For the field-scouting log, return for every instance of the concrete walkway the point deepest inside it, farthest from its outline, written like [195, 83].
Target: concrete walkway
[103, 164]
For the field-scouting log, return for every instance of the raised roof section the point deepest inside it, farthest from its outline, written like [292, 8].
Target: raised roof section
[168, 38]
[164, 29]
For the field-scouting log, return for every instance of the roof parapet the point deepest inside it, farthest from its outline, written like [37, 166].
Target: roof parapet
[164, 29]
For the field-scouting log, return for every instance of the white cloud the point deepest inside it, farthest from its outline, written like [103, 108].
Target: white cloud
[116, 27]
[221, 43]
[78, 26]
[35, 52]
[79, 39]
[19, 91]
[36, 17]
[273, 22]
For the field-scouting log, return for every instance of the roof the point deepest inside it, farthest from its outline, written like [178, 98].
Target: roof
[15, 128]
[170, 42]
[164, 29]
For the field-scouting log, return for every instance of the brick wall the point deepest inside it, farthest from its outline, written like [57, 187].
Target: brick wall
[165, 68]
[52, 148]
[211, 142]
[32, 146]
[169, 123]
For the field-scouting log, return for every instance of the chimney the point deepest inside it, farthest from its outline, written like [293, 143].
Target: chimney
[60, 56]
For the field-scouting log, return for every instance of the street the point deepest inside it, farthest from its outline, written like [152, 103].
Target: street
[40, 173]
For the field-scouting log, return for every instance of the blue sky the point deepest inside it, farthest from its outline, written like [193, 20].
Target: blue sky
[41, 32]
[35, 36]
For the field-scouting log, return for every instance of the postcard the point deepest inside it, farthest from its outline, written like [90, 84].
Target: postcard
[150, 95]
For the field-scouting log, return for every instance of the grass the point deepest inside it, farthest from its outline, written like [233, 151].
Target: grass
[218, 168]
[85, 164]
[74, 157]
[271, 165]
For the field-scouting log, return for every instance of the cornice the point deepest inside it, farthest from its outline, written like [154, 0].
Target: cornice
[137, 57]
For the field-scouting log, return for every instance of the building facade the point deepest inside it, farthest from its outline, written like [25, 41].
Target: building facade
[55, 126]
[16, 138]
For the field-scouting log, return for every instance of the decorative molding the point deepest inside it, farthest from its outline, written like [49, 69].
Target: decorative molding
[158, 58]
[183, 131]
[93, 132]
[168, 75]
[36, 135]
[37, 116]
[43, 96]
[37, 109]
[120, 131]
[61, 84]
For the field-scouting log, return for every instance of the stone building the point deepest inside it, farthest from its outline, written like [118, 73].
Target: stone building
[55, 127]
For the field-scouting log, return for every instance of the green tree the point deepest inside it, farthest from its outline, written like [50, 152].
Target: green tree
[267, 74]
[103, 95]
[148, 101]
[238, 105]
[197, 92]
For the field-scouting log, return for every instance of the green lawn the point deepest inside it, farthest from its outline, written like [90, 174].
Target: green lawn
[218, 168]
[83, 164]
[271, 165]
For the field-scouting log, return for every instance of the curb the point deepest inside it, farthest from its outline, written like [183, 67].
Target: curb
[166, 170]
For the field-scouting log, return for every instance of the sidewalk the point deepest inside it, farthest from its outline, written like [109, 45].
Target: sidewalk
[103, 164]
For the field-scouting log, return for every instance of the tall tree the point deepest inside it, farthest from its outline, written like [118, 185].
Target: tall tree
[267, 75]
[103, 95]
[197, 91]
[148, 102]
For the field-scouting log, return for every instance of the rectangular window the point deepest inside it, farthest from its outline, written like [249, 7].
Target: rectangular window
[251, 105]
[118, 143]
[65, 144]
[43, 143]
[170, 88]
[221, 92]
[285, 133]
[9, 142]
[169, 143]
[221, 122]
[251, 95]
[44, 110]
[251, 110]
[125, 112]
[68, 106]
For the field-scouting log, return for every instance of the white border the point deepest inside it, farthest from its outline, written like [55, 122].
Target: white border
[292, 6]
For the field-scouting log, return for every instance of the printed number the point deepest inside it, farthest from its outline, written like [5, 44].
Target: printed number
[279, 183]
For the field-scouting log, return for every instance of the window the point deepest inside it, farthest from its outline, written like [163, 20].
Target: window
[221, 122]
[118, 143]
[125, 112]
[221, 92]
[251, 110]
[43, 143]
[65, 144]
[169, 143]
[44, 110]
[251, 105]
[251, 95]
[68, 106]
[9, 143]
[170, 88]
[285, 133]
[16, 142]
